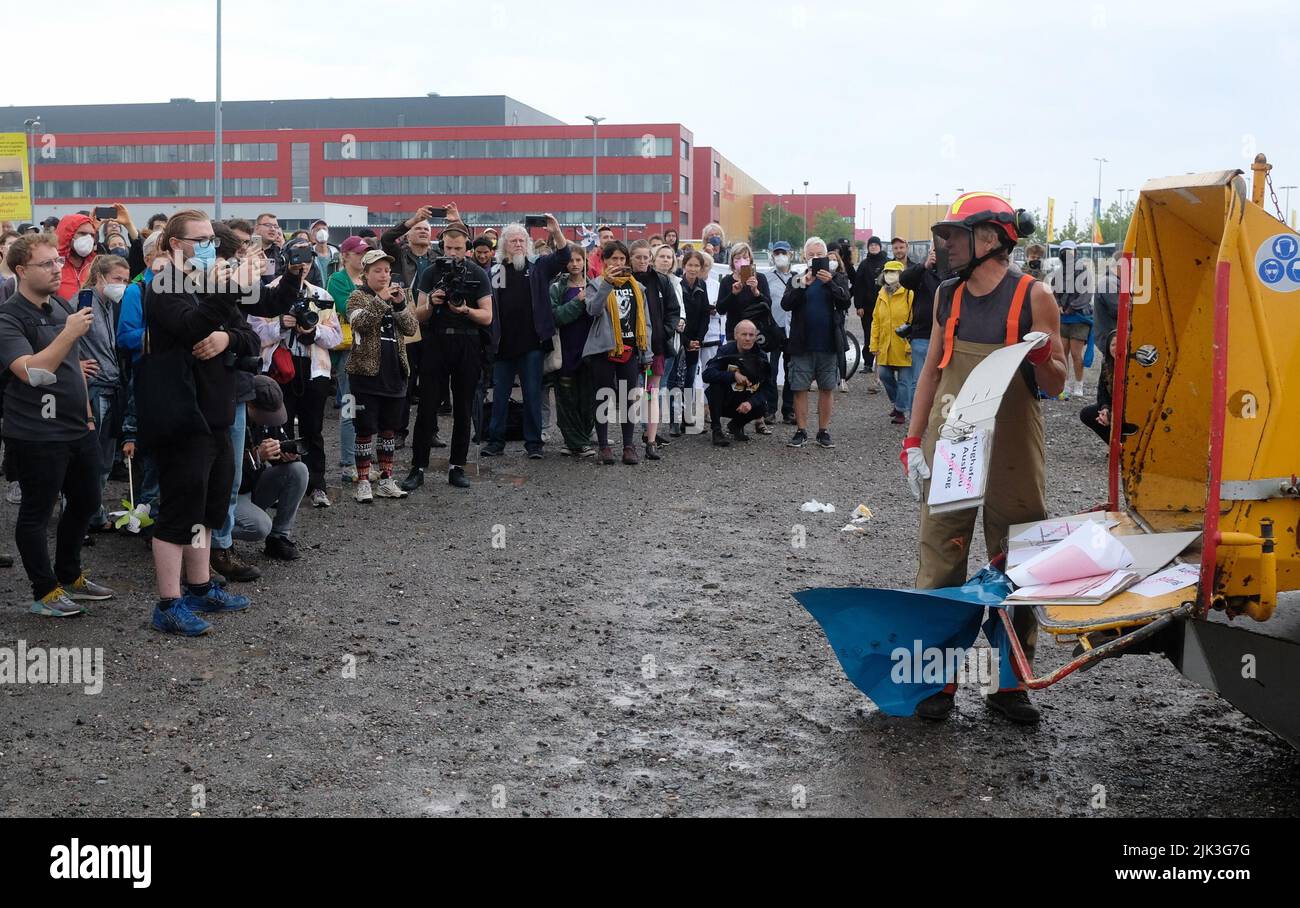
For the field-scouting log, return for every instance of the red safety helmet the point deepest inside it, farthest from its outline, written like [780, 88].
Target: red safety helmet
[973, 208]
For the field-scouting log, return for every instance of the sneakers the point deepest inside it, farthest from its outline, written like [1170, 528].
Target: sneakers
[388, 488]
[437, 441]
[56, 604]
[1078, 389]
[229, 565]
[363, 495]
[15, 493]
[413, 480]
[216, 600]
[585, 451]
[178, 619]
[1015, 705]
[936, 707]
[844, 386]
[348, 473]
[799, 439]
[535, 454]
[84, 590]
[896, 416]
[607, 455]
[319, 499]
[824, 439]
[762, 428]
[629, 456]
[492, 449]
[281, 547]
[720, 438]
[456, 477]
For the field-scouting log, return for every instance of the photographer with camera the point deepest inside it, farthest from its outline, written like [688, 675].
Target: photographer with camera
[306, 333]
[274, 476]
[195, 336]
[523, 328]
[455, 308]
[378, 370]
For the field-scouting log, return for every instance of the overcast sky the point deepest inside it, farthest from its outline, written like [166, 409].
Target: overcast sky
[902, 100]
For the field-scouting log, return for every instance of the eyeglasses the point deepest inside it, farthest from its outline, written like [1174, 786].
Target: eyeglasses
[51, 265]
[200, 240]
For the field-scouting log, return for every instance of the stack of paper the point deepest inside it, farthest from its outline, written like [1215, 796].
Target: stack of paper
[1044, 534]
[961, 472]
[1087, 567]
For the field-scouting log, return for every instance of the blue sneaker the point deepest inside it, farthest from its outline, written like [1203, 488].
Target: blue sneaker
[217, 600]
[179, 620]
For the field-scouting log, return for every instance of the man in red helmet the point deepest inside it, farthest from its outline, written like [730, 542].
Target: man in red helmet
[986, 306]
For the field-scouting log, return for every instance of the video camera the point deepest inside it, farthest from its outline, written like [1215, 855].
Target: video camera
[453, 277]
[299, 254]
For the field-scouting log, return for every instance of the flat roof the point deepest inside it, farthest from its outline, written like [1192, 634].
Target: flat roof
[184, 115]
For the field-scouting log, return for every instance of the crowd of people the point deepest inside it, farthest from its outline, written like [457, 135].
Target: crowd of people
[198, 358]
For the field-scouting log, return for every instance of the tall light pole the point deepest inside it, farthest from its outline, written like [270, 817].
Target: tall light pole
[217, 147]
[1096, 215]
[33, 125]
[805, 212]
[1287, 216]
[595, 121]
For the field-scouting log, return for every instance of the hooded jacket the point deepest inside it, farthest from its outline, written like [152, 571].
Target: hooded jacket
[75, 268]
[867, 281]
[893, 310]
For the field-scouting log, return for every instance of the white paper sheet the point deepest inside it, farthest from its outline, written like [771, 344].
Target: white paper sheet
[960, 472]
[980, 396]
[1087, 552]
[1176, 577]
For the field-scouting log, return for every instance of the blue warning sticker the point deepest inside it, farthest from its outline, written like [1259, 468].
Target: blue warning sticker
[1277, 263]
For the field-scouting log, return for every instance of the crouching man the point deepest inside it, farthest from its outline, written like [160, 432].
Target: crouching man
[274, 477]
[735, 383]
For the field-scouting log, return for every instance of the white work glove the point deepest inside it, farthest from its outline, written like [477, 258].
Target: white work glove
[915, 469]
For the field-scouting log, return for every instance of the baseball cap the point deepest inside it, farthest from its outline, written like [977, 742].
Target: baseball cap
[267, 406]
[51, 221]
[321, 221]
[353, 244]
[375, 255]
[780, 246]
[1068, 244]
[895, 265]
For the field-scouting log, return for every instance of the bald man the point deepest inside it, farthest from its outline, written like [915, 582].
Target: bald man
[733, 384]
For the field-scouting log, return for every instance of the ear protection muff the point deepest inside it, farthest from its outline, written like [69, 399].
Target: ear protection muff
[1023, 223]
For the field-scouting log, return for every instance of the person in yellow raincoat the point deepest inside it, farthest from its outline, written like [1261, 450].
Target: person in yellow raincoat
[891, 325]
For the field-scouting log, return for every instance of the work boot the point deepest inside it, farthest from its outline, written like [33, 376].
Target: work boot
[607, 455]
[651, 451]
[629, 456]
[229, 565]
[737, 430]
[281, 547]
[936, 707]
[1015, 705]
[720, 438]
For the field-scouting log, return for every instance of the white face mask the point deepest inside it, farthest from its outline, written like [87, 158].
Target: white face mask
[83, 245]
[835, 265]
[113, 292]
[782, 261]
[322, 236]
[891, 278]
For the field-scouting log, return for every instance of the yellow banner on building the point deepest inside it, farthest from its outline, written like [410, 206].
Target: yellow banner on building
[15, 183]
[1051, 218]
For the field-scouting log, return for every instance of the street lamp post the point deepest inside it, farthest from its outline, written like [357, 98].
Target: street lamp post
[216, 137]
[1286, 215]
[33, 125]
[595, 121]
[1096, 215]
[805, 212]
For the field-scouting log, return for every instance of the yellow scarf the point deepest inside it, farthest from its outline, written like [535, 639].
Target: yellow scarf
[611, 306]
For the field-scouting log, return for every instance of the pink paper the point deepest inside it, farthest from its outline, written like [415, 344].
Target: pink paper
[1066, 563]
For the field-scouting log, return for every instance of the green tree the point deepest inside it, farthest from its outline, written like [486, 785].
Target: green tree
[831, 227]
[777, 224]
[1115, 221]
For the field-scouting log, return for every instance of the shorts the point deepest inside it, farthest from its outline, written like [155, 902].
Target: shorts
[195, 475]
[822, 367]
[377, 414]
[1078, 331]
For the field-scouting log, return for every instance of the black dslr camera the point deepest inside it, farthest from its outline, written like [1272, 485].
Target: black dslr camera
[251, 363]
[453, 277]
[299, 254]
[304, 314]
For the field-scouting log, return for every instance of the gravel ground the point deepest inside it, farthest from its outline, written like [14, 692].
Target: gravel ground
[632, 649]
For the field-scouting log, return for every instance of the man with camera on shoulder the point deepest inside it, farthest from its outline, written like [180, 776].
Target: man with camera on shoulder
[454, 307]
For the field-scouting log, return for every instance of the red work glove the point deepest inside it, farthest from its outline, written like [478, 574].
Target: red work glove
[911, 441]
[1041, 354]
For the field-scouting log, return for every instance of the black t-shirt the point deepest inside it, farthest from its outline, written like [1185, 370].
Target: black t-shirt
[389, 381]
[515, 299]
[442, 316]
[56, 412]
[626, 299]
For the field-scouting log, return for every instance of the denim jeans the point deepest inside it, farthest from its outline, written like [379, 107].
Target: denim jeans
[347, 430]
[281, 488]
[528, 366]
[896, 380]
[221, 539]
[920, 348]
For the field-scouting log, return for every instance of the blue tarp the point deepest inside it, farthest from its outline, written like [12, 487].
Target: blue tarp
[866, 626]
